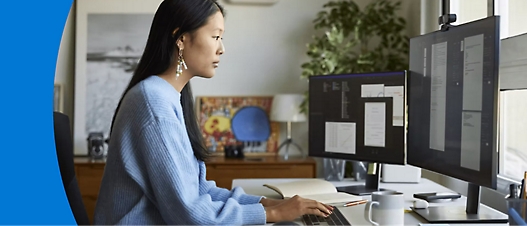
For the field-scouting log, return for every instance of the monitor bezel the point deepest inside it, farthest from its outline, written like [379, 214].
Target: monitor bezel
[404, 74]
[490, 180]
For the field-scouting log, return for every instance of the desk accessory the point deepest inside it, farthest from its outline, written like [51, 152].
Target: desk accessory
[334, 169]
[96, 148]
[516, 211]
[433, 196]
[522, 188]
[515, 218]
[354, 203]
[234, 151]
[386, 208]
[513, 191]
[400, 174]
[286, 108]
[420, 204]
[524, 195]
[316, 189]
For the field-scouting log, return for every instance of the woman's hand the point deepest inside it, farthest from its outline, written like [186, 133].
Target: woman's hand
[266, 202]
[290, 209]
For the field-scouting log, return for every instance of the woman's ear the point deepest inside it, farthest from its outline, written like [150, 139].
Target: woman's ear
[182, 40]
[179, 43]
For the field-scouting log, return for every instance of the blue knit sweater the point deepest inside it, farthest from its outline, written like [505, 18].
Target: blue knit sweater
[152, 176]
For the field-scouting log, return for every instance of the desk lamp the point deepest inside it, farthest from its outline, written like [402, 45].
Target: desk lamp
[285, 108]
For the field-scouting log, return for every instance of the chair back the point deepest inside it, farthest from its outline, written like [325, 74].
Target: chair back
[64, 146]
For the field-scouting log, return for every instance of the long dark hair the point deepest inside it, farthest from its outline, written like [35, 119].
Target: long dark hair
[186, 16]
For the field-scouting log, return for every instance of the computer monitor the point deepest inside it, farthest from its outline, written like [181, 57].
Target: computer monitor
[359, 117]
[453, 112]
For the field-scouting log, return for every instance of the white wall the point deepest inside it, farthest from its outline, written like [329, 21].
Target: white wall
[65, 71]
[517, 17]
[468, 10]
[265, 46]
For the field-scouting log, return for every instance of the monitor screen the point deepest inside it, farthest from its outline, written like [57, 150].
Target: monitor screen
[453, 101]
[358, 116]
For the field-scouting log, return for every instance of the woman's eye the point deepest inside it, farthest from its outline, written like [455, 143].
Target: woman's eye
[217, 38]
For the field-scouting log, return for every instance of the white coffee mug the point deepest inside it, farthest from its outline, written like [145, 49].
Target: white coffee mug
[386, 208]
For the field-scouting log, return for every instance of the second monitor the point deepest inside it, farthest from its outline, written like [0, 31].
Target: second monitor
[358, 117]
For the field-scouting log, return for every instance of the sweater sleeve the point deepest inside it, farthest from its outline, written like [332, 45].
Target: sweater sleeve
[173, 181]
[222, 194]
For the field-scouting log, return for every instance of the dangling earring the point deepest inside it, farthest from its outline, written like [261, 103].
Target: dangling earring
[181, 64]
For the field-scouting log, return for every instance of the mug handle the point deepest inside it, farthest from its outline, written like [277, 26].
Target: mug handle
[368, 212]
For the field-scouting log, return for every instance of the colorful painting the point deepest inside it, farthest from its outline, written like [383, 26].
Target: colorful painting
[215, 116]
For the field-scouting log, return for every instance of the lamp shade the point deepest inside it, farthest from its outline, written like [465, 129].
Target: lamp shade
[286, 108]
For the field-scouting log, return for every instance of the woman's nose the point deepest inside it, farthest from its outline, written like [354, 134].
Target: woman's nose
[222, 48]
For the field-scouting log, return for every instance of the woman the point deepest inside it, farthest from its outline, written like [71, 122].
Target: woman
[155, 172]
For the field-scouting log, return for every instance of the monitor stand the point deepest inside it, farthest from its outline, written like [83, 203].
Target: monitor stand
[372, 183]
[472, 213]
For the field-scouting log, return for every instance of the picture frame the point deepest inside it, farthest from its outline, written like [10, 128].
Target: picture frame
[109, 38]
[215, 117]
[58, 98]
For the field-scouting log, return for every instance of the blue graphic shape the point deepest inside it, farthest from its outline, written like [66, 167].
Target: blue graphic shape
[251, 124]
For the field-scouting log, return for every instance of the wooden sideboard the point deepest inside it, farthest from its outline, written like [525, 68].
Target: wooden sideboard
[222, 170]
[89, 175]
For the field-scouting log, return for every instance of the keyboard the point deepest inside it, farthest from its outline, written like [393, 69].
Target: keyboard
[336, 218]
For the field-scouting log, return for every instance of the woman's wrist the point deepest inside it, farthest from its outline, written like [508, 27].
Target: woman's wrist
[264, 201]
[270, 214]
[270, 202]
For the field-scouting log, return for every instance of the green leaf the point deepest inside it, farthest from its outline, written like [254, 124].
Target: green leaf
[347, 32]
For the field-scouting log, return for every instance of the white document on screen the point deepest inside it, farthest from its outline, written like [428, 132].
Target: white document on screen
[397, 93]
[374, 124]
[438, 96]
[341, 137]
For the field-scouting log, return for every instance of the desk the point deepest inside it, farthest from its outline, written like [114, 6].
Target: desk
[222, 170]
[355, 214]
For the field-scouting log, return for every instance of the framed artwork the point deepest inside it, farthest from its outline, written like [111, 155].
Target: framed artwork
[58, 98]
[220, 117]
[110, 39]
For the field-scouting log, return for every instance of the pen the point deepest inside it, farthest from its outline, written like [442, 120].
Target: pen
[524, 196]
[513, 191]
[521, 189]
[354, 203]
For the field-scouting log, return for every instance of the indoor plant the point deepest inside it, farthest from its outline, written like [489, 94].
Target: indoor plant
[356, 40]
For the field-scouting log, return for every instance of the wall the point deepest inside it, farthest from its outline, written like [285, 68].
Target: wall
[265, 46]
[518, 16]
[468, 10]
[65, 71]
